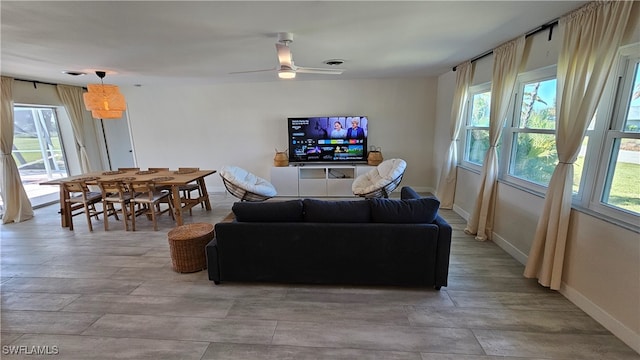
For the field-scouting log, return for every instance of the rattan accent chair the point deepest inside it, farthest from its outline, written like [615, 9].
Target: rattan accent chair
[245, 185]
[380, 181]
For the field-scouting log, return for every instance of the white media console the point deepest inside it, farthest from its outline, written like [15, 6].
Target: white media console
[316, 180]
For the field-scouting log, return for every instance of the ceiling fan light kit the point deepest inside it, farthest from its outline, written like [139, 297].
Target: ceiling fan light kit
[286, 74]
[104, 101]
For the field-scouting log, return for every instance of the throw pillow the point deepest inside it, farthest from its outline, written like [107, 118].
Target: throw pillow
[276, 211]
[410, 211]
[336, 211]
[408, 193]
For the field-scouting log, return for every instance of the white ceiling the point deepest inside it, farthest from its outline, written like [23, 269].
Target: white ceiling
[188, 42]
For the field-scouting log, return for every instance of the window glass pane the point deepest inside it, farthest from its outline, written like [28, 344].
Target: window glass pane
[632, 122]
[578, 166]
[480, 109]
[622, 189]
[538, 109]
[535, 157]
[478, 141]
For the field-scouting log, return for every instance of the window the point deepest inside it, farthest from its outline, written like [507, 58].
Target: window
[533, 156]
[618, 189]
[477, 125]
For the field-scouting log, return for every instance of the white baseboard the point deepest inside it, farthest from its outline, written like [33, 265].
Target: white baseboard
[421, 189]
[510, 249]
[618, 329]
[458, 210]
[597, 313]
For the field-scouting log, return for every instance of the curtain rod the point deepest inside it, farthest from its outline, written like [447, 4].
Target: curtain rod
[540, 28]
[35, 82]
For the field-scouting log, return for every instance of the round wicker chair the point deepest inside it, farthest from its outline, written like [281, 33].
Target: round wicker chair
[245, 185]
[380, 181]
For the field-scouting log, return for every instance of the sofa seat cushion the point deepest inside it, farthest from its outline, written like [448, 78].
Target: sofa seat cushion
[410, 211]
[323, 211]
[276, 211]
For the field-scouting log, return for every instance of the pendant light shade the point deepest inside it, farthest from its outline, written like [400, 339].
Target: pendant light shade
[104, 101]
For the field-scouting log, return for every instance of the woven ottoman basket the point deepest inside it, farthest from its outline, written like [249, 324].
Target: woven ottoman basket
[187, 246]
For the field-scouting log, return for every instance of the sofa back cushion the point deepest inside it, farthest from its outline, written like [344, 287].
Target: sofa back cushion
[323, 211]
[276, 211]
[410, 211]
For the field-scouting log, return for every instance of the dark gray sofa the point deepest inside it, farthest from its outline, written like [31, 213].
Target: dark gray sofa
[369, 242]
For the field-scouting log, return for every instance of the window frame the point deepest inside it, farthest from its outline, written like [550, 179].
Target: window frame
[465, 144]
[512, 129]
[615, 105]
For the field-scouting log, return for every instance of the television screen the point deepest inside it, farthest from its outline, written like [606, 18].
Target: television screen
[328, 139]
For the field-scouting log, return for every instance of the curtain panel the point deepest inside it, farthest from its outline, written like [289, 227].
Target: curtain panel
[17, 206]
[507, 62]
[589, 48]
[71, 97]
[448, 175]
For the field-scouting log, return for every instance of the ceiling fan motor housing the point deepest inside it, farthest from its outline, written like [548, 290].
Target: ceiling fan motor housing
[285, 37]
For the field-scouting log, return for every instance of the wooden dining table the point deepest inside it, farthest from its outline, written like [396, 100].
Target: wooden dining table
[171, 178]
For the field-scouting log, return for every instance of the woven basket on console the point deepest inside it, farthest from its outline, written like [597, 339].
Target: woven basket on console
[187, 246]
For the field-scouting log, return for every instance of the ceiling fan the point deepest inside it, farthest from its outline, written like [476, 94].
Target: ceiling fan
[286, 68]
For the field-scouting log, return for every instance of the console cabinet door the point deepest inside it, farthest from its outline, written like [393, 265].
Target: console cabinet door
[285, 180]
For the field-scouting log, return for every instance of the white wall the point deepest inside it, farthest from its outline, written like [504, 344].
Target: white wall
[602, 261]
[240, 124]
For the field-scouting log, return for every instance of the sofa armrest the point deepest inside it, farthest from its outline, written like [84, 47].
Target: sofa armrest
[213, 267]
[443, 251]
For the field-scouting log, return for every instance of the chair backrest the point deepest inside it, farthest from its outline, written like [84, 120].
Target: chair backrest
[113, 189]
[159, 168]
[128, 168]
[75, 186]
[142, 187]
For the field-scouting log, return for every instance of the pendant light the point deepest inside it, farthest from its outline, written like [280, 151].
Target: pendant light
[104, 101]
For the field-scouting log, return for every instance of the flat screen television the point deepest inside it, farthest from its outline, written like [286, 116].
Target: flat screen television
[328, 139]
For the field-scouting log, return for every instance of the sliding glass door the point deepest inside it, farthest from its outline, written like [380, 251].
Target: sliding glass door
[38, 151]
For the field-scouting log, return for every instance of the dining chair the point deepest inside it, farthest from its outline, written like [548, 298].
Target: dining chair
[161, 187]
[128, 169]
[81, 198]
[149, 198]
[115, 192]
[188, 188]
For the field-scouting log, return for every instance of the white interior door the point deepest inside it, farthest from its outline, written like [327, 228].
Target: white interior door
[118, 143]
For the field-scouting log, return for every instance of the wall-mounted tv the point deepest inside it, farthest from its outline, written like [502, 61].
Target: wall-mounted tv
[328, 139]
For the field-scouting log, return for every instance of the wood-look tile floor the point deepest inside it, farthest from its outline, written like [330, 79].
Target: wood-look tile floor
[113, 295]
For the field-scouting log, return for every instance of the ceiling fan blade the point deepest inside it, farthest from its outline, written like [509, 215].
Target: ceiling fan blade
[284, 55]
[307, 70]
[252, 71]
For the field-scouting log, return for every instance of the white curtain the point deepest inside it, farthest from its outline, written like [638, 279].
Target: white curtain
[507, 62]
[17, 206]
[447, 184]
[71, 97]
[589, 48]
